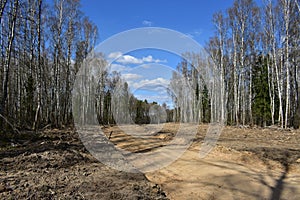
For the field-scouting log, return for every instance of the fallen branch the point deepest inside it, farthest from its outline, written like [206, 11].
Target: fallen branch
[46, 127]
[10, 124]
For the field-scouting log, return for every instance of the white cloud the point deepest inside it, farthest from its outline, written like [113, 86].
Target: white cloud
[157, 98]
[129, 77]
[148, 59]
[150, 89]
[118, 68]
[151, 84]
[147, 23]
[153, 96]
[151, 59]
[115, 55]
[127, 59]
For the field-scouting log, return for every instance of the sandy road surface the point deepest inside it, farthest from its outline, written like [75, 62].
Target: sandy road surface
[245, 164]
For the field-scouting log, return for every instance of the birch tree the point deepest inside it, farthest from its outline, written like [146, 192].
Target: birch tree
[14, 7]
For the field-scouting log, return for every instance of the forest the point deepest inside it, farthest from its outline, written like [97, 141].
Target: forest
[73, 128]
[255, 50]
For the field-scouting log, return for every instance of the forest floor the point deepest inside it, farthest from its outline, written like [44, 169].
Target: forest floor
[246, 163]
[54, 164]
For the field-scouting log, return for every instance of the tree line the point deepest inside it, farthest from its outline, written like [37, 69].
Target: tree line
[103, 97]
[255, 52]
[248, 74]
[42, 47]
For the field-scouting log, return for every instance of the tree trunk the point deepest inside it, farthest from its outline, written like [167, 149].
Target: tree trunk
[8, 58]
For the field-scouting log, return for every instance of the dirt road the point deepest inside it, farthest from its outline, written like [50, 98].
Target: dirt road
[246, 164]
[227, 174]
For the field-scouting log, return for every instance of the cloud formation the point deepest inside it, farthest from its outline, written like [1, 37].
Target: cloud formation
[127, 59]
[153, 84]
[129, 77]
[118, 68]
[118, 57]
[147, 23]
[157, 98]
[115, 55]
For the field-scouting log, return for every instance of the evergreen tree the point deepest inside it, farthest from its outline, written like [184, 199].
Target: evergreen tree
[261, 100]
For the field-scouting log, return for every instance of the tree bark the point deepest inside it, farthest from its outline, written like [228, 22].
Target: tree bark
[8, 56]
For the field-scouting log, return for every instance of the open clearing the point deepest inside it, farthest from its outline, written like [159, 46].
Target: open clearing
[245, 164]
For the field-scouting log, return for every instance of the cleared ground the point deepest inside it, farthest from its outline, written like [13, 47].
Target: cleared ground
[245, 164]
[54, 164]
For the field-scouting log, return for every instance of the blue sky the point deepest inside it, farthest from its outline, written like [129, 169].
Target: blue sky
[148, 71]
[191, 17]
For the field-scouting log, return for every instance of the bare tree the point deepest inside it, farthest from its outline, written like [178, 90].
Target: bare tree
[8, 52]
